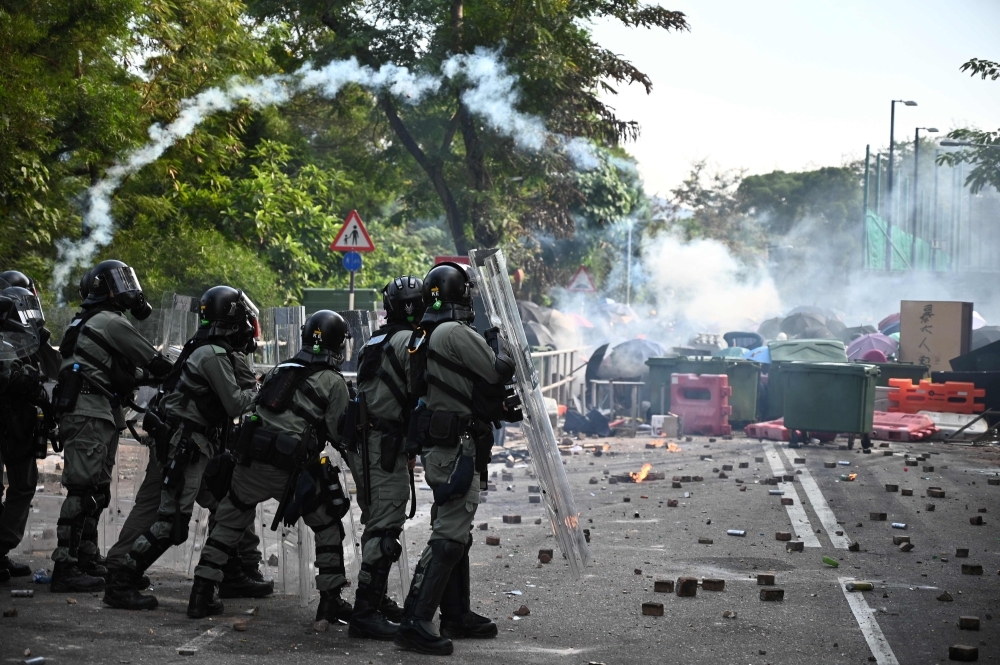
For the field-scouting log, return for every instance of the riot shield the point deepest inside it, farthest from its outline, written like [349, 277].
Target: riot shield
[493, 284]
[363, 323]
[280, 335]
[178, 323]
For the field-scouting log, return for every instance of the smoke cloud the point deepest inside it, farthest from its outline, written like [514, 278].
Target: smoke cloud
[492, 96]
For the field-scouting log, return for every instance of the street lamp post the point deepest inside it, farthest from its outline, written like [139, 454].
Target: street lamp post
[890, 209]
[916, 172]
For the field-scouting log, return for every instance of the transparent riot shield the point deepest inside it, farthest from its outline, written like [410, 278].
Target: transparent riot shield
[493, 283]
[280, 335]
[363, 323]
[178, 323]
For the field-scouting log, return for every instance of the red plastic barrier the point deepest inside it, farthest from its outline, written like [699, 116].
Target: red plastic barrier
[902, 426]
[774, 430]
[950, 397]
[702, 402]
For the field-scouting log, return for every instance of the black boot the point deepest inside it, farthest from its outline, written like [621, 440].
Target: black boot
[68, 578]
[122, 591]
[366, 620]
[457, 618]
[204, 602]
[390, 610]
[332, 607]
[141, 581]
[90, 564]
[237, 584]
[15, 569]
[417, 631]
[252, 570]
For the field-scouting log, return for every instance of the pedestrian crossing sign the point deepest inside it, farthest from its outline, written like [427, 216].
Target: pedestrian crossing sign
[582, 282]
[353, 236]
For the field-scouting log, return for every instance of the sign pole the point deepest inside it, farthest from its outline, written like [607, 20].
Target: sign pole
[350, 293]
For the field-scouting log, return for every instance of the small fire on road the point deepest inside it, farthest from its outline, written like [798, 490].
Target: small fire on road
[639, 477]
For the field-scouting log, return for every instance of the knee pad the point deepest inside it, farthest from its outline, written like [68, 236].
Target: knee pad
[449, 552]
[89, 501]
[390, 547]
[179, 529]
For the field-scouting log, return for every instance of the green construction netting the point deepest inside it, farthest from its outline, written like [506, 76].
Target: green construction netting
[902, 243]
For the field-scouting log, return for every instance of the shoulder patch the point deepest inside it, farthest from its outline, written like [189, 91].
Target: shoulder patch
[219, 351]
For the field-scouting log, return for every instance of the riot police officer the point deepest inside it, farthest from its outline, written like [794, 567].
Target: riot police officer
[25, 415]
[102, 354]
[465, 392]
[198, 400]
[298, 410]
[381, 469]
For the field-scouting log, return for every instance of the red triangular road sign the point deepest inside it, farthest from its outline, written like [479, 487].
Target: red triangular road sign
[353, 236]
[582, 282]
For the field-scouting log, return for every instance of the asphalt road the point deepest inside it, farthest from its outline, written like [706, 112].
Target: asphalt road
[638, 539]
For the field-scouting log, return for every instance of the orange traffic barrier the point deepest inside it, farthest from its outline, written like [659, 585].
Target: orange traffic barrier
[950, 397]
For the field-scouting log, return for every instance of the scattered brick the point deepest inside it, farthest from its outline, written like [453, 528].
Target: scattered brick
[928, 469]
[671, 503]
[787, 501]
[705, 541]
[929, 507]
[945, 597]
[727, 467]
[829, 465]
[891, 488]
[854, 547]
[772, 594]
[637, 571]
[972, 569]
[676, 485]
[511, 519]
[800, 460]
[663, 586]
[612, 481]
[981, 510]
[993, 481]
[783, 535]
[795, 546]
[906, 547]
[765, 579]
[534, 498]
[652, 609]
[877, 517]
[685, 479]
[968, 623]
[788, 478]
[626, 499]
[758, 460]
[935, 493]
[493, 540]
[887, 453]
[906, 492]
[523, 611]
[10, 613]
[697, 479]
[723, 475]
[899, 540]
[687, 587]
[744, 465]
[713, 584]
[961, 553]
[976, 521]
[593, 481]
[963, 653]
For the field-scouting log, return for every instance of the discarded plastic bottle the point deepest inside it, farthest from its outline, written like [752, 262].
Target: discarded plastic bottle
[860, 586]
[776, 492]
[41, 576]
[844, 462]
[736, 532]
[22, 593]
[37, 660]
[898, 525]
[831, 562]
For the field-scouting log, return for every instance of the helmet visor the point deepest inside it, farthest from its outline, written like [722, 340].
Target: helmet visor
[251, 311]
[32, 312]
[18, 337]
[348, 348]
[122, 280]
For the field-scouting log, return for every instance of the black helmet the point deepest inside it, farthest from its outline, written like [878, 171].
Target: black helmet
[85, 286]
[448, 293]
[17, 278]
[115, 282]
[228, 312]
[20, 321]
[403, 299]
[328, 331]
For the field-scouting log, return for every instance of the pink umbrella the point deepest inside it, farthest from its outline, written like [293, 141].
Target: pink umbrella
[873, 342]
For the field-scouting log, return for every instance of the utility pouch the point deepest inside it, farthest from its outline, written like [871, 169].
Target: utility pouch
[442, 430]
[67, 390]
[244, 453]
[219, 474]
[332, 493]
[349, 426]
[279, 450]
[458, 482]
[158, 431]
[392, 446]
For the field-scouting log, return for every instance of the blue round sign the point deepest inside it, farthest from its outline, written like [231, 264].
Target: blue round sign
[352, 261]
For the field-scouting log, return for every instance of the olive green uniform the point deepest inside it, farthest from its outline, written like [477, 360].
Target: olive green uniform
[390, 490]
[208, 375]
[90, 431]
[452, 521]
[146, 507]
[261, 481]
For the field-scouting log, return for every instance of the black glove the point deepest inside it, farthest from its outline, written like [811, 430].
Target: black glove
[159, 366]
[26, 381]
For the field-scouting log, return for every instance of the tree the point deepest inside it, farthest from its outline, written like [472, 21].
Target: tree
[831, 195]
[480, 184]
[985, 160]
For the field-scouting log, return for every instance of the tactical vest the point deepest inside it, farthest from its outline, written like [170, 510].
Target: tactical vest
[209, 405]
[121, 372]
[370, 364]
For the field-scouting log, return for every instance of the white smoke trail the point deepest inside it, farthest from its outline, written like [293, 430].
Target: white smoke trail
[492, 96]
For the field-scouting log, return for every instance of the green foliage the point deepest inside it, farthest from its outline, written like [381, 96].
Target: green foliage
[831, 195]
[985, 160]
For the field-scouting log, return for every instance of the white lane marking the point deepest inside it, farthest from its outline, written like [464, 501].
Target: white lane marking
[200, 642]
[796, 513]
[822, 509]
[869, 626]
